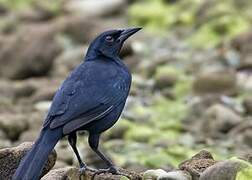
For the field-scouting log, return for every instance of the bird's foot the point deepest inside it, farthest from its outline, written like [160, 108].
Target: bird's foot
[85, 168]
[113, 170]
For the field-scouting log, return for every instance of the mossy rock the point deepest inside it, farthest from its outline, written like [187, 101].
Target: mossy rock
[166, 76]
[140, 133]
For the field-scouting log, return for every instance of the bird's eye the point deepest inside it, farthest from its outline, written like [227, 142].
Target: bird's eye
[109, 39]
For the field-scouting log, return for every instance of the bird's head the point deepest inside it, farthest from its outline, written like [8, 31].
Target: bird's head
[109, 43]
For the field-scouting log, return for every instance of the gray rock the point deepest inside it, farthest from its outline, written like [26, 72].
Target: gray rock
[5, 143]
[62, 174]
[219, 119]
[165, 77]
[29, 135]
[43, 106]
[72, 173]
[247, 103]
[247, 137]
[34, 47]
[176, 175]
[11, 157]
[64, 152]
[12, 91]
[72, 27]
[102, 8]
[241, 134]
[68, 60]
[197, 164]
[60, 164]
[45, 93]
[153, 174]
[225, 170]
[242, 44]
[13, 125]
[216, 82]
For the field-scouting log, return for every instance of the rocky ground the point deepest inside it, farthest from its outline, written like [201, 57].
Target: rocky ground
[183, 99]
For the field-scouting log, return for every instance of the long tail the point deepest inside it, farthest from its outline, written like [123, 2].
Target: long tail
[32, 164]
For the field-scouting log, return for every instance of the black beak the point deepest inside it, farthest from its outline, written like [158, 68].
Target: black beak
[126, 33]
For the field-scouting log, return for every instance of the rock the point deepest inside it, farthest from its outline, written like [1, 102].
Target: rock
[176, 175]
[247, 103]
[29, 135]
[127, 50]
[40, 11]
[135, 111]
[43, 106]
[73, 174]
[7, 90]
[247, 137]
[35, 49]
[244, 81]
[62, 174]
[72, 26]
[15, 90]
[23, 89]
[5, 143]
[153, 174]
[3, 9]
[140, 134]
[165, 77]
[119, 130]
[102, 8]
[241, 43]
[219, 119]
[241, 134]
[46, 88]
[225, 170]
[11, 157]
[68, 60]
[197, 164]
[34, 15]
[59, 164]
[35, 120]
[13, 125]
[92, 159]
[64, 152]
[216, 82]
[44, 94]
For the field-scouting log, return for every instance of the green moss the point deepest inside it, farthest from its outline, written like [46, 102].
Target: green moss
[51, 6]
[168, 110]
[219, 21]
[156, 160]
[179, 153]
[152, 16]
[119, 129]
[157, 15]
[140, 133]
[217, 30]
[16, 4]
[183, 87]
[168, 71]
[244, 174]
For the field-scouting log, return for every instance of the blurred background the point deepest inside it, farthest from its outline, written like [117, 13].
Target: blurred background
[191, 65]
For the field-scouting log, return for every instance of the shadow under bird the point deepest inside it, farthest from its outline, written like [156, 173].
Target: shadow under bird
[91, 98]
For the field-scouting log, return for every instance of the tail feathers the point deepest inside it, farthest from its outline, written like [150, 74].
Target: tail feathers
[32, 164]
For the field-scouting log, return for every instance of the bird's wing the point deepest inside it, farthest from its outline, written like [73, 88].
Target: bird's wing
[88, 94]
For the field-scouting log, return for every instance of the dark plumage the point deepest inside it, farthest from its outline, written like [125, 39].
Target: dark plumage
[91, 98]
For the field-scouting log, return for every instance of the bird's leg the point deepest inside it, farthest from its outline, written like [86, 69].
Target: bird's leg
[93, 141]
[72, 139]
